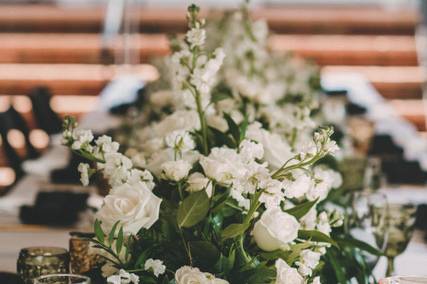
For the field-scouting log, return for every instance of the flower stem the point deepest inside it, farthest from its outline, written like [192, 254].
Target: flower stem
[203, 124]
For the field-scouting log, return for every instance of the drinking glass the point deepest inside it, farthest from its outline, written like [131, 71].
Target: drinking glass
[395, 231]
[62, 279]
[369, 212]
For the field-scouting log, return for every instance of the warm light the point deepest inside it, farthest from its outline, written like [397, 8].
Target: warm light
[39, 138]
[7, 176]
[22, 103]
[4, 103]
[16, 138]
[73, 104]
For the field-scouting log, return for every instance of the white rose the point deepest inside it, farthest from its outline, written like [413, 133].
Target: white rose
[135, 206]
[198, 182]
[275, 229]
[192, 275]
[286, 274]
[175, 170]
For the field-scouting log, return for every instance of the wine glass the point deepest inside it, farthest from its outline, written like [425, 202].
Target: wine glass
[366, 219]
[393, 232]
[62, 279]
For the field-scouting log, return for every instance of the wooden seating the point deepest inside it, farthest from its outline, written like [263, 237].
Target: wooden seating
[290, 19]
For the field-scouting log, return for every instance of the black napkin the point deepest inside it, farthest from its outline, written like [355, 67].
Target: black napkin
[54, 209]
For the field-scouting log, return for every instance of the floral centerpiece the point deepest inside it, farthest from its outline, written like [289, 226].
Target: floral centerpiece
[221, 181]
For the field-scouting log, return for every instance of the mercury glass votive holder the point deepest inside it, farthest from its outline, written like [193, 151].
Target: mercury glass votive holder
[62, 279]
[37, 261]
[82, 260]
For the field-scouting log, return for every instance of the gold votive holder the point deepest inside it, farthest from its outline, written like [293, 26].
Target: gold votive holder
[81, 259]
[38, 261]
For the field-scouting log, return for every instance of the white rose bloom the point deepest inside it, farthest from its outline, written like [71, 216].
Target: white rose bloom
[192, 275]
[275, 229]
[155, 265]
[198, 182]
[135, 206]
[286, 274]
[83, 169]
[175, 170]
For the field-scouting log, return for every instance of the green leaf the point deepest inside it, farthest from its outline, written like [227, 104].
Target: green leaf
[360, 245]
[119, 242]
[193, 209]
[339, 271]
[112, 233]
[300, 210]
[242, 128]
[316, 236]
[204, 253]
[99, 233]
[234, 230]
[219, 96]
[233, 128]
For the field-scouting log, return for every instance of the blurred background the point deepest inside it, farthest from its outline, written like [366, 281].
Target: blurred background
[73, 57]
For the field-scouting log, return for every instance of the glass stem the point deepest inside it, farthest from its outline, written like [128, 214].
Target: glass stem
[390, 266]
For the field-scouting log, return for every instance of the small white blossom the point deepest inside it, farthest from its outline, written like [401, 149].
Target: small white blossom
[316, 280]
[287, 274]
[123, 277]
[323, 223]
[196, 37]
[106, 144]
[180, 140]
[308, 261]
[82, 138]
[83, 169]
[175, 170]
[192, 275]
[155, 265]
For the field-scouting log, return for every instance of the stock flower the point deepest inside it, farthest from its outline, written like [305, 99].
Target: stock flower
[106, 144]
[192, 275]
[323, 223]
[155, 265]
[286, 274]
[180, 141]
[299, 186]
[196, 37]
[135, 206]
[83, 169]
[275, 229]
[308, 261]
[316, 280]
[175, 170]
[81, 138]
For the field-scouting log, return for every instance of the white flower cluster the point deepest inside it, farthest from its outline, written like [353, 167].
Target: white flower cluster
[123, 278]
[155, 265]
[131, 200]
